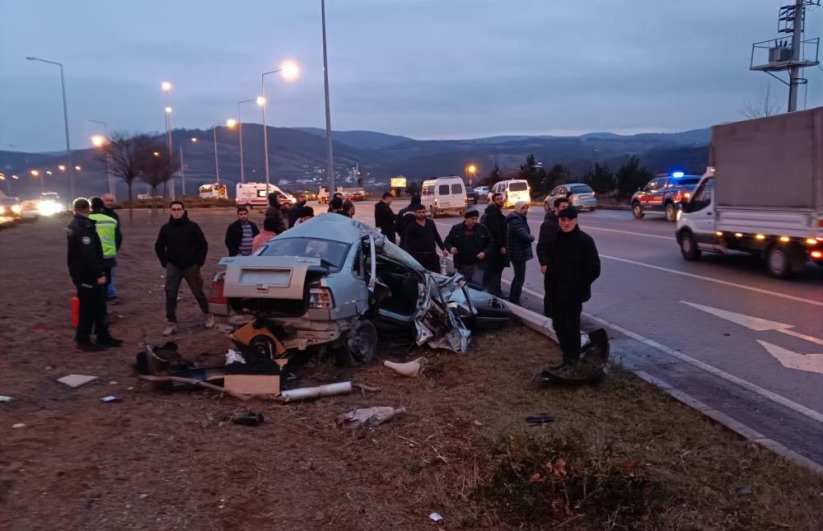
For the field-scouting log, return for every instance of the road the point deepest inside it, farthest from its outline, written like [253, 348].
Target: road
[747, 345]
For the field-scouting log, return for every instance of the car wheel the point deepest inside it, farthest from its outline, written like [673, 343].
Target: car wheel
[688, 246]
[546, 206]
[637, 211]
[592, 209]
[778, 261]
[671, 212]
[360, 346]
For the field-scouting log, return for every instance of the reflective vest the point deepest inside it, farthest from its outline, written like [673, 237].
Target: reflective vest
[107, 230]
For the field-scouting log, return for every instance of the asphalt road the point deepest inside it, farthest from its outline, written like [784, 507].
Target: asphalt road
[721, 329]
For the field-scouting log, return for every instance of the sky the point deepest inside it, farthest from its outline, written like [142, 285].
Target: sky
[428, 69]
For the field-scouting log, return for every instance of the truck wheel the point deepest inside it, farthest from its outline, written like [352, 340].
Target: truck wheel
[778, 260]
[637, 211]
[688, 246]
[671, 212]
[360, 346]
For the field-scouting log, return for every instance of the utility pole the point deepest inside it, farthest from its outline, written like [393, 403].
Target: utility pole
[797, 39]
[329, 154]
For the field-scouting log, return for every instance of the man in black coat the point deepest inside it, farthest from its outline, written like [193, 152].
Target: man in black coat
[495, 221]
[406, 217]
[297, 208]
[384, 218]
[545, 244]
[86, 267]
[470, 243]
[240, 234]
[422, 240]
[181, 248]
[273, 211]
[572, 268]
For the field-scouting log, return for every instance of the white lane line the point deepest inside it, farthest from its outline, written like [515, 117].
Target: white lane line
[810, 339]
[715, 280]
[794, 406]
[669, 238]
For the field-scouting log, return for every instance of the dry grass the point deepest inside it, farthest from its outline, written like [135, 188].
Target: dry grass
[634, 458]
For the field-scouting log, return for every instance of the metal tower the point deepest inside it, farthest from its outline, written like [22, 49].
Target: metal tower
[790, 51]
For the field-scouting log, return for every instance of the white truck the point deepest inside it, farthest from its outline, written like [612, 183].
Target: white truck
[762, 194]
[252, 195]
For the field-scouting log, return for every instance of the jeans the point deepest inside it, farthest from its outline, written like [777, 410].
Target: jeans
[519, 279]
[92, 298]
[566, 324]
[111, 291]
[473, 273]
[174, 277]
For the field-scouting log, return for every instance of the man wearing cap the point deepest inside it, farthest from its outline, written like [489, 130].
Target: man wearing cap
[470, 243]
[573, 266]
[384, 218]
[421, 240]
[545, 244]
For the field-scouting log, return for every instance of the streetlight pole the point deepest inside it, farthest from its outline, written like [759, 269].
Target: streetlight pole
[289, 71]
[182, 173]
[329, 154]
[240, 134]
[98, 142]
[230, 124]
[65, 120]
[166, 87]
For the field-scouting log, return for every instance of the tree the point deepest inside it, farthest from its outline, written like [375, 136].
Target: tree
[601, 179]
[763, 105]
[128, 154]
[630, 177]
[533, 172]
[494, 176]
[156, 165]
[558, 174]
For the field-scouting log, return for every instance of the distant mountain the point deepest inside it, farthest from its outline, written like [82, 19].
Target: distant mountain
[300, 155]
[358, 139]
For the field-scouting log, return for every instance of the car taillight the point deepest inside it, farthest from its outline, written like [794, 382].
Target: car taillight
[216, 290]
[321, 298]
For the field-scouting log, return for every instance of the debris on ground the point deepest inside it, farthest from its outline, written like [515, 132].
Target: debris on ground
[111, 399]
[5, 399]
[368, 417]
[18, 425]
[76, 380]
[539, 419]
[308, 393]
[435, 517]
[410, 368]
[248, 418]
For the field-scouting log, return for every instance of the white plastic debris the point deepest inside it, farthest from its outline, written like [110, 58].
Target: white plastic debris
[410, 368]
[232, 356]
[371, 416]
[5, 399]
[435, 517]
[18, 425]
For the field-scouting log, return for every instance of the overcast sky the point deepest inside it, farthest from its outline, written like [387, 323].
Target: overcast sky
[422, 68]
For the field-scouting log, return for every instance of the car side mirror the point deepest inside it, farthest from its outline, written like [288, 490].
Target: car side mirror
[686, 207]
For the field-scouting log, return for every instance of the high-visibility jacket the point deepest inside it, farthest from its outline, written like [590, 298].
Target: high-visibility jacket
[107, 230]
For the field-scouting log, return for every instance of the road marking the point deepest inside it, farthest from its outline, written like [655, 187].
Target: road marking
[794, 406]
[795, 360]
[715, 280]
[669, 238]
[754, 323]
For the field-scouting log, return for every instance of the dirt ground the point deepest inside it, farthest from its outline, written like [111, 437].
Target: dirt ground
[618, 455]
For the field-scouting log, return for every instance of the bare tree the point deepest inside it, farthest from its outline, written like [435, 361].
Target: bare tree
[128, 157]
[157, 168]
[764, 105]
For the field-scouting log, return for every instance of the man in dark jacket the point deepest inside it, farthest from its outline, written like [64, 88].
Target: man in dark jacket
[572, 268]
[181, 248]
[519, 244]
[108, 209]
[384, 218]
[470, 243]
[297, 208]
[273, 211]
[86, 267]
[545, 244]
[240, 234]
[495, 221]
[422, 240]
[406, 217]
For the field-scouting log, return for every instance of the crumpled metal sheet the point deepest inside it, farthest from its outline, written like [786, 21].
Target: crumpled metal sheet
[437, 320]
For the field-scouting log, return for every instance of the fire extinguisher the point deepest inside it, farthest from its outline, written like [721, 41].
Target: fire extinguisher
[75, 311]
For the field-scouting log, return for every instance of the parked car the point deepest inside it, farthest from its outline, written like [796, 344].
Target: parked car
[471, 196]
[482, 193]
[580, 195]
[332, 282]
[664, 194]
[10, 210]
[358, 195]
[310, 196]
[513, 191]
[444, 195]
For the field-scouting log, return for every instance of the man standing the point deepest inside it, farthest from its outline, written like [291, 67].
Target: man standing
[273, 211]
[421, 240]
[294, 211]
[573, 266]
[545, 245]
[85, 261]
[107, 229]
[181, 248]
[108, 209]
[470, 243]
[406, 217]
[384, 218]
[240, 234]
[498, 259]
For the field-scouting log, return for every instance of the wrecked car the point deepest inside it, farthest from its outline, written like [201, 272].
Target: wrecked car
[332, 283]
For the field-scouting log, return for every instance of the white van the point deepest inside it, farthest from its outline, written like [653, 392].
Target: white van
[513, 191]
[444, 195]
[251, 195]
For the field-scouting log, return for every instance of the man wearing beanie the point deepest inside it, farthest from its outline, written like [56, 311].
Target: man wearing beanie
[108, 229]
[470, 243]
[573, 266]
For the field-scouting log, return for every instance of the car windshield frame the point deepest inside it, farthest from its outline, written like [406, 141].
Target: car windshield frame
[331, 253]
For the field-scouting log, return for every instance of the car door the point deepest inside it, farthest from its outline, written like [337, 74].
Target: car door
[647, 197]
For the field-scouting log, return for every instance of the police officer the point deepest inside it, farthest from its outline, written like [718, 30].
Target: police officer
[107, 229]
[86, 267]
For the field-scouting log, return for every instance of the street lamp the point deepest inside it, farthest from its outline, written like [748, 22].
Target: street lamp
[65, 117]
[229, 124]
[471, 170]
[36, 174]
[240, 134]
[166, 87]
[329, 153]
[288, 71]
[101, 142]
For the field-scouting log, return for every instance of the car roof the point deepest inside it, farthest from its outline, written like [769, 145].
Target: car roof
[573, 184]
[328, 226]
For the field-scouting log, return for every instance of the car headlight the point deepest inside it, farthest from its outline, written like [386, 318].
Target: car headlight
[2, 210]
[16, 209]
